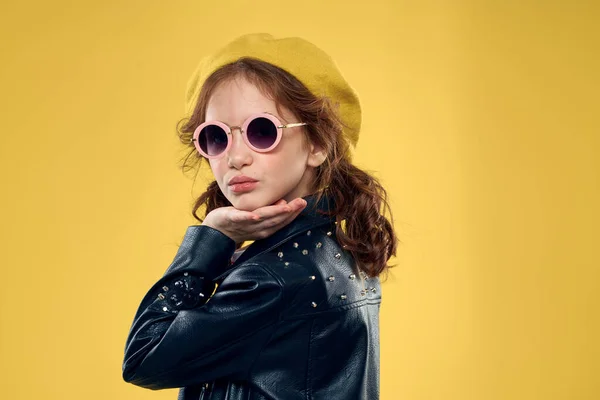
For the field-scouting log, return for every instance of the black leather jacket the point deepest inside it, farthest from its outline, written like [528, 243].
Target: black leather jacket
[291, 318]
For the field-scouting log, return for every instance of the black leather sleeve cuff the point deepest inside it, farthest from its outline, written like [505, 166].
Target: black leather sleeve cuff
[204, 251]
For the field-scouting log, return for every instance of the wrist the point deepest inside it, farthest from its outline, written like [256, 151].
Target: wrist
[223, 231]
[201, 249]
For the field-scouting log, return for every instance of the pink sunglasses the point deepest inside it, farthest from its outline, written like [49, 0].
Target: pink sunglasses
[261, 132]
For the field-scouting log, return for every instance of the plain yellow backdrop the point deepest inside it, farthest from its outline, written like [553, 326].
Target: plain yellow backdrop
[480, 118]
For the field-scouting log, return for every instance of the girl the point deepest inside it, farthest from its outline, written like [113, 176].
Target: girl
[295, 315]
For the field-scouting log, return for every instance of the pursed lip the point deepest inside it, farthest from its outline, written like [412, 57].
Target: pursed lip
[240, 179]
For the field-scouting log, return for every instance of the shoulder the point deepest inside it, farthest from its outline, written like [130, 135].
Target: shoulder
[315, 273]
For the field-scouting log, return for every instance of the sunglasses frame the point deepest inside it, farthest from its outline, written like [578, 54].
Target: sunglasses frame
[243, 130]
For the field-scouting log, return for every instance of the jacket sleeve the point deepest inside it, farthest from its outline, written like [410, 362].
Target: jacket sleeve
[182, 336]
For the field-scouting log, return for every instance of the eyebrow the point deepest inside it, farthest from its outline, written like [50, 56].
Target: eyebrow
[263, 112]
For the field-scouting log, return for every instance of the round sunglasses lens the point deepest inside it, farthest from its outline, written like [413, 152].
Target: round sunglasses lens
[212, 140]
[262, 133]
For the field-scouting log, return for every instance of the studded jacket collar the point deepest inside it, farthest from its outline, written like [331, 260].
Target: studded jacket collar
[291, 318]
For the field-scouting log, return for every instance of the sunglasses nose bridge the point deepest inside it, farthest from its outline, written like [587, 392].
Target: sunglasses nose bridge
[233, 128]
[231, 131]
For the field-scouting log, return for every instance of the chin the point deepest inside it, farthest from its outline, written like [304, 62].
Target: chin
[247, 202]
[243, 205]
[252, 200]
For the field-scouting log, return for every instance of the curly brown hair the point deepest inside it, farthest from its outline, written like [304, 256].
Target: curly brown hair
[359, 199]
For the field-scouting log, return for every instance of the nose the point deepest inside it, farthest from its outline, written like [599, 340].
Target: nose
[239, 154]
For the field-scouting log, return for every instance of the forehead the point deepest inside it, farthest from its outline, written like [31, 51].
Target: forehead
[234, 100]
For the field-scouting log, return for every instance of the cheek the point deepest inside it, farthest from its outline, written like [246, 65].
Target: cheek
[217, 169]
[287, 165]
[275, 166]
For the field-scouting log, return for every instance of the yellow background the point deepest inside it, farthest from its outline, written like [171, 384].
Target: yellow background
[479, 117]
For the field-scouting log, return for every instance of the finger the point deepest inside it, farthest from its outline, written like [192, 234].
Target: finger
[276, 222]
[292, 216]
[272, 211]
[280, 208]
[241, 216]
[297, 203]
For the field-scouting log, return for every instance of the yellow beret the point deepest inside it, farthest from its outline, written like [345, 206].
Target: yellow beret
[308, 63]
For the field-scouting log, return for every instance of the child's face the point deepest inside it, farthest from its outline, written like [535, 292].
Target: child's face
[286, 172]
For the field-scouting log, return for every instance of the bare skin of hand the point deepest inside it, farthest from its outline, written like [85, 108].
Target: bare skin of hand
[252, 225]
